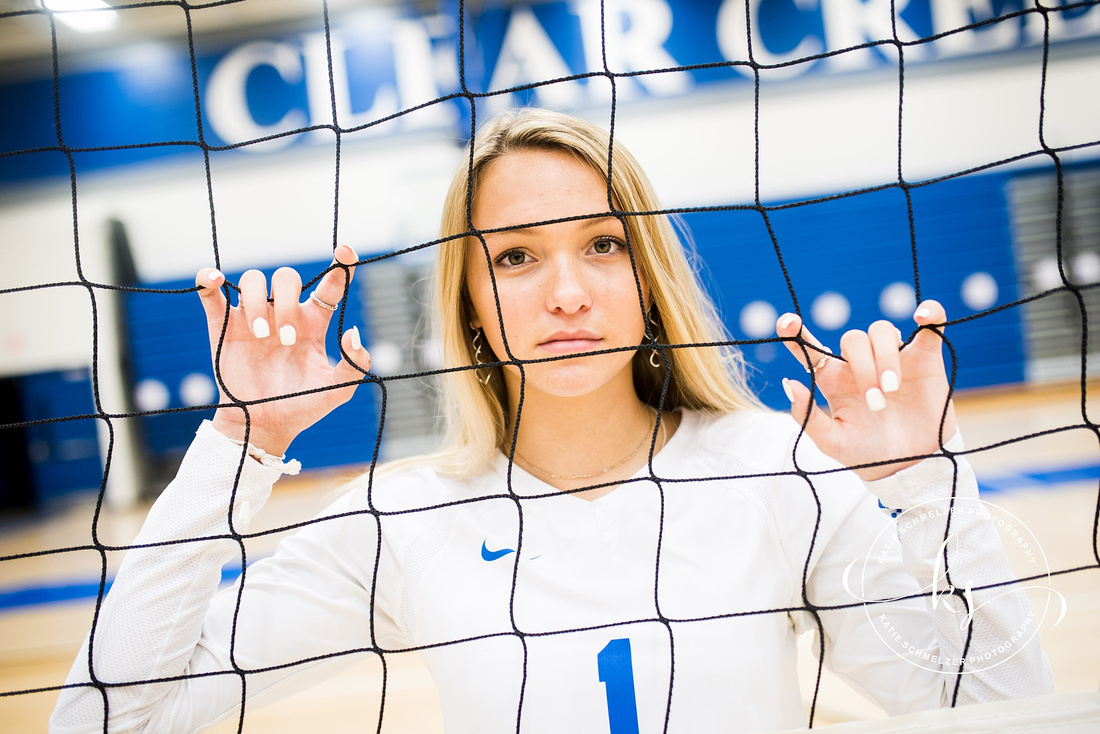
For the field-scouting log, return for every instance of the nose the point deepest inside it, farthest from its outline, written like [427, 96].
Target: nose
[568, 290]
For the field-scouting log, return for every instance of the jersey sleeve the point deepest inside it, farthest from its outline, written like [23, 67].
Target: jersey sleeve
[169, 651]
[883, 585]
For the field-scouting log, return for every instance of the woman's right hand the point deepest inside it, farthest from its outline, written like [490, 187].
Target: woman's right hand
[277, 347]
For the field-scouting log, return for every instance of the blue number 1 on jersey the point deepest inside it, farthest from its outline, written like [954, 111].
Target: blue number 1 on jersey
[617, 675]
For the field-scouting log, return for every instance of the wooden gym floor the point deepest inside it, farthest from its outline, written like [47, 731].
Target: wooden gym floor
[1050, 483]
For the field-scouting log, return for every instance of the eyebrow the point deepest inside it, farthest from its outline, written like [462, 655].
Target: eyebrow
[587, 220]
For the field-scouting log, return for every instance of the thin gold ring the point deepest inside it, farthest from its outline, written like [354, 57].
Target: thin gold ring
[327, 306]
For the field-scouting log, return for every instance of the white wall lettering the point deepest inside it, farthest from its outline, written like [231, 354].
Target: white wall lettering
[951, 14]
[635, 33]
[631, 35]
[1062, 28]
[733, 40]
[321, 97]
[416, 66]
[852, 22]
[227, 101]
[528, 55]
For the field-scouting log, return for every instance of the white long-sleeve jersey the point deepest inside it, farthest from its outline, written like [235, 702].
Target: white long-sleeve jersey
[670, 605]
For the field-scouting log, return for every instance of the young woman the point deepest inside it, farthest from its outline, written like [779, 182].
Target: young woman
[616, 536]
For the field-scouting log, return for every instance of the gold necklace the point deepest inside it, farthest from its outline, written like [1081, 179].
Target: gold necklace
[616, 465]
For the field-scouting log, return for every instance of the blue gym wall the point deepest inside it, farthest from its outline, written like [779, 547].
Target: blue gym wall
[854, 246]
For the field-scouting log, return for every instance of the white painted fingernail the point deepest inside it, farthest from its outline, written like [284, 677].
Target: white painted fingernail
[922, 313]
[287, 335]
[787, 389]
[901, 338]
[889, 381]
[876, 401]
[356, 341]
[214, 275]
[786, 321]
[260, 328]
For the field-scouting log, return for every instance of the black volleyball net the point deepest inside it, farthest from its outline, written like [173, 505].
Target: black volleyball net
[1053, 196]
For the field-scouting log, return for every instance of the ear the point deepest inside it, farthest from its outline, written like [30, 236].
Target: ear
[652, 313]
[647, 294]
[473, 321]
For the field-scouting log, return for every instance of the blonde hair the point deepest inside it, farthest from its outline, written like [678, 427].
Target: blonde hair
[705, 378]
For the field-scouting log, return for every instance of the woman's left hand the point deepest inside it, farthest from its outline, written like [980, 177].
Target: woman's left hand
[886, 402]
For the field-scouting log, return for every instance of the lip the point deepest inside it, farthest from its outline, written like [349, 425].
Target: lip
[566, 342]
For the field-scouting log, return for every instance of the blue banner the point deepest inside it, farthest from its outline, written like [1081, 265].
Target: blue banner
[139, 103]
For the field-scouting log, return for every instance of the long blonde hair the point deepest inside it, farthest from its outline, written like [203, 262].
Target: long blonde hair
[704, 378]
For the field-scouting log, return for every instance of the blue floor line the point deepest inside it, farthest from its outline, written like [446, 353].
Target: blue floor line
[29, 596]
[1041, 479]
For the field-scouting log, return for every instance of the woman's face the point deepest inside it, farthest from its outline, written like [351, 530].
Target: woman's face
[564, 288]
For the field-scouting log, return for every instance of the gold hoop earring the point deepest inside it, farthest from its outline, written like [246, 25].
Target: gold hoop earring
[476, 343]
[655, 330]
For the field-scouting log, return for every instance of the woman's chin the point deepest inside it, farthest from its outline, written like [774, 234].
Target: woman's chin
[575, 378]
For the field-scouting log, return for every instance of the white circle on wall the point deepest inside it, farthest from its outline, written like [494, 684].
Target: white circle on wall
[1045, 275]
[758, 320]
[151, 395]
[897, 301]
[765, 352]
[431, 354]
[831, 311]
[385, 358]
[198, 389]
[1086, 268]
[979, 291]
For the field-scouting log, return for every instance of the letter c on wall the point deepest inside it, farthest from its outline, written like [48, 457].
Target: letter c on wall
[733, 39]
[227, 101]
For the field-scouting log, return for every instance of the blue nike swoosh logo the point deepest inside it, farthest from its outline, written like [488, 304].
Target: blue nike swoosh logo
[489, 555]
